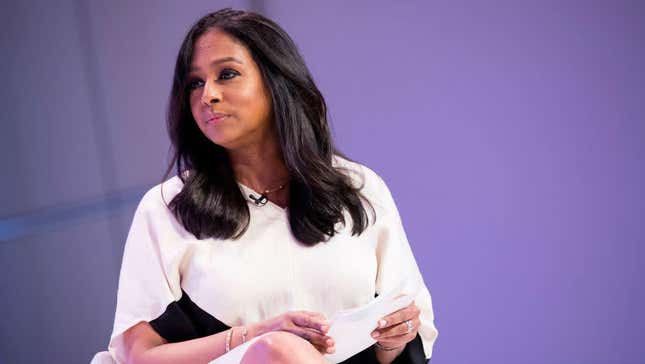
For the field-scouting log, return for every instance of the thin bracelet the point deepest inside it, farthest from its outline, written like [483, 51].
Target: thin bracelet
[228, 339]
[385, 348]
[244, 332]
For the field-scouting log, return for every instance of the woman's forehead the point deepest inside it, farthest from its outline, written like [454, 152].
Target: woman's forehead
[216, 44]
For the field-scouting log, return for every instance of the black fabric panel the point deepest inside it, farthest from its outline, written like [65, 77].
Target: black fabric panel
[184, 320]
[367, 356]
[413, 353]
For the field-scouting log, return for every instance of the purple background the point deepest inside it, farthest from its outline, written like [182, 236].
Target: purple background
[511, 133]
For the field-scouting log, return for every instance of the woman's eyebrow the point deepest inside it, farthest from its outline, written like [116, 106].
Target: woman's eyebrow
[218, 61]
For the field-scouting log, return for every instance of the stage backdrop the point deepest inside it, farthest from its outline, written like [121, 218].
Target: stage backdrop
[511, 133]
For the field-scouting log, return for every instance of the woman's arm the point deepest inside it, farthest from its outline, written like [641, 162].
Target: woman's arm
[143, 345]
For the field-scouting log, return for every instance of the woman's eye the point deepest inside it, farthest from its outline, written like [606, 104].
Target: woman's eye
[195, 84]
[227, 74]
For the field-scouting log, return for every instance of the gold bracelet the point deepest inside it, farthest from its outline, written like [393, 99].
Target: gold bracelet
[244, 332]
[385, 348]
[228, 340]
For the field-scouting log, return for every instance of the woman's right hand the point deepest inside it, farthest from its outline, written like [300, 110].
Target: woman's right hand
[311, 326]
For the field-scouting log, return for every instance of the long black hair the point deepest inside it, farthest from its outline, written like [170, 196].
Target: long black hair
[211, 203]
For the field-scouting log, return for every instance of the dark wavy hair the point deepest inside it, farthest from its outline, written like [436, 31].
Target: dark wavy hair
[211, 203]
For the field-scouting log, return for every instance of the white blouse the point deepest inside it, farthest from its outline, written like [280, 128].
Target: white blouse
[266, 272]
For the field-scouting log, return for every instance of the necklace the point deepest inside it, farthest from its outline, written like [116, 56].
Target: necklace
[263, 199]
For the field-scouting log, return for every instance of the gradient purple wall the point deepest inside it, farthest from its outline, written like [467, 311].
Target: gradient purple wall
[511, 133]
[513, 136]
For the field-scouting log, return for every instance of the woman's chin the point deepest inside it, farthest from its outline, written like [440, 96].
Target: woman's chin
[224, 141]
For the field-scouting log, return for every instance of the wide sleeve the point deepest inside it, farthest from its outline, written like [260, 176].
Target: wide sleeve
[396, 261]
[149, 278]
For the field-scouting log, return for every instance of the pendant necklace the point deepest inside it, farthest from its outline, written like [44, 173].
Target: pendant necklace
[263, 199]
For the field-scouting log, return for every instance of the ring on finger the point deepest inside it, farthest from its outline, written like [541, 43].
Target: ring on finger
[408, 323]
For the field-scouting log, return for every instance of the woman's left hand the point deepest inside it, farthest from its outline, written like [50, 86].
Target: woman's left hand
[398, 328]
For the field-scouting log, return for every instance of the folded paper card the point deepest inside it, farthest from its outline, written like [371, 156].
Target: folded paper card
[352, 329]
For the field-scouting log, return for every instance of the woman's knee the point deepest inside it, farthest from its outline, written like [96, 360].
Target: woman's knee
[279, 347]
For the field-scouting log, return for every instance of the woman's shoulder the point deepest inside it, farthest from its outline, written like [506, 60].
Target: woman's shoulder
[161, 194]
[370, 183]
[355, 169]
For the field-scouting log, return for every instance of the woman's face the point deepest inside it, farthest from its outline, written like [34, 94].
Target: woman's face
[228, 98]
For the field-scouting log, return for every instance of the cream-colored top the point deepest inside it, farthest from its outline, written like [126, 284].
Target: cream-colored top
[266, 272]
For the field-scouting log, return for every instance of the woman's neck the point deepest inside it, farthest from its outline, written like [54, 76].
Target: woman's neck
[259, 166]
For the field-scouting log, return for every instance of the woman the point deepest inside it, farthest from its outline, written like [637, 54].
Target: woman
[265, 231]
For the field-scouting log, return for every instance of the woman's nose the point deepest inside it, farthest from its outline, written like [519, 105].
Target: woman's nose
[211, 94]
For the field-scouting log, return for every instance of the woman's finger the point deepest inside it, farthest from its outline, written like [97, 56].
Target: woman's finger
[312, 335]
[325, 350]
[327, 346]
[316, 316]
[321, 340]
[320, 318]
[305, 320]
[406, 313]
[399, 330]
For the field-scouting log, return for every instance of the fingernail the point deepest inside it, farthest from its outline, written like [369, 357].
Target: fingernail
[382, 323]
[324, 328]
[376, 334]
[330, 350]
[329, 342]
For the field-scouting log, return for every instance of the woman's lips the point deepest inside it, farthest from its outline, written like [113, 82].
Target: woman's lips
[216, 118]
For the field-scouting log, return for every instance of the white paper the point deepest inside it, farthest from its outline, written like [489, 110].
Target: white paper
[351, 329]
